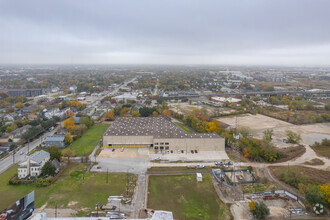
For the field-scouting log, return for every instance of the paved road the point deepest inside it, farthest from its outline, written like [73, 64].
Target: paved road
[139, 196]
[7, 162]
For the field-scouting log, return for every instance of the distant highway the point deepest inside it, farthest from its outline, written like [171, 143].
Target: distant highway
[254, 93]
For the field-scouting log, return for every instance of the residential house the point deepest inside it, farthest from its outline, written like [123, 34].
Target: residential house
[33, 164]
[55, 141]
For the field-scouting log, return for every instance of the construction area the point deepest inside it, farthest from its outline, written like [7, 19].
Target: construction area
[229, 184]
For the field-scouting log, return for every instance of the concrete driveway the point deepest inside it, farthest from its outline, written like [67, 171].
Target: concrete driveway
[121, 165]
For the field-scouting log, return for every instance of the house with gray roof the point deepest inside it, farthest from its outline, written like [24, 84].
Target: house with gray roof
[33, 164]
[56, 140]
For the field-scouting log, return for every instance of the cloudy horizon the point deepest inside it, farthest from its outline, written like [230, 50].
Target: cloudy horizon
[251, 32]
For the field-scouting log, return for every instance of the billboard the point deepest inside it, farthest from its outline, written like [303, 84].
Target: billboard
[20, 210]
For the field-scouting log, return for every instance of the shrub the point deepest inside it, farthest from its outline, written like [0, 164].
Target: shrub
[41, 182]
[260, 211]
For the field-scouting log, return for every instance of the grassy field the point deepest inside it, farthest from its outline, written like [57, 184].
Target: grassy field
[186, 198]
[68, 188]
[88, 140]
[184, 128]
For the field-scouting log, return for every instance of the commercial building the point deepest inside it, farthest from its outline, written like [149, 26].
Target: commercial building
[226, 100]
[24, 92]
[160, 135]
[32, 165]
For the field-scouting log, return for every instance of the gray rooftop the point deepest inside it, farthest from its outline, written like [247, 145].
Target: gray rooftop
[159, 127]
[38, 156]
[55, 138]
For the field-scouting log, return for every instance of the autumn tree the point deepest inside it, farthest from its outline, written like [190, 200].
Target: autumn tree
[154, 113]
[68, 153]
[166, 112]
[68, 138]
[135, 113]
[19, 105]
[69, 113]
[110, 115]
[69, 124]
[124, 111]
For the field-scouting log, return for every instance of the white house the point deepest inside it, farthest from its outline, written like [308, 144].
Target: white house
[32, 165]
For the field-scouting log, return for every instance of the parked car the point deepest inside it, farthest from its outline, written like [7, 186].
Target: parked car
[192, 151]
[113, 149]
[218, 163]
[200, 166]
[158, 158]
[196, 151]
[181, 151]
[122, 149]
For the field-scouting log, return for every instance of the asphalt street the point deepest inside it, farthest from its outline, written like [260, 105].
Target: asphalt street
[21, 154]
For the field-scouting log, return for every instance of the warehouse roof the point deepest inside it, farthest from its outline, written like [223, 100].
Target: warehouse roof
[158, 127]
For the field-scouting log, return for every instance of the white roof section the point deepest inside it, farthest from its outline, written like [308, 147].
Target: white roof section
[224, 99]
[125, 96]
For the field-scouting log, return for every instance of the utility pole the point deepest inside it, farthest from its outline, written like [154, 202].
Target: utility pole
[127, 183]
[107, 176]
[28, 146]
[55, 210]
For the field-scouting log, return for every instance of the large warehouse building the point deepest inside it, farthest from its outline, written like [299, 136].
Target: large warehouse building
[158, 134]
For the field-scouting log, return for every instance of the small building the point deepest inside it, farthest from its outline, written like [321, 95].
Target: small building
[32, 165]
[55, 141]
[125, 97]
[76, 120]
[199, 177]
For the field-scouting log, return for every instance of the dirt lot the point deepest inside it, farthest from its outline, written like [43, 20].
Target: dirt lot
[258, 123]
[185, 108]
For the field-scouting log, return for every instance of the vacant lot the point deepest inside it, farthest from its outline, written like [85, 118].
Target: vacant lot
[87, 142]
[186, 198]
[68, 191]
[259, 123]
[312, 175]
[322, 151]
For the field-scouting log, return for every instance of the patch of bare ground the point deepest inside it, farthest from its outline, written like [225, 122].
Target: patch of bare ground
[314, 162]
[312, 175]
[290, 153]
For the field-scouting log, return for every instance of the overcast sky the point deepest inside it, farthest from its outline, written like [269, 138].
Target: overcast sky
[265, 32]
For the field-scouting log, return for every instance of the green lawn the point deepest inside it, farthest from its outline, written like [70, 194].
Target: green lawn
[184, 128]
[88, 140]
[68, 188]
[186, 198]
